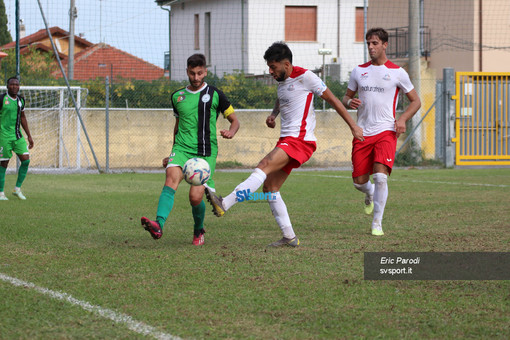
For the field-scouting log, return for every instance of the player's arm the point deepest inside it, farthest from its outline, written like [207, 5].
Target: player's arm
[228, 112]
[234, 124]
[332, 100]
[24, 124]
[271, 119]
[349, 101]
[412, 108]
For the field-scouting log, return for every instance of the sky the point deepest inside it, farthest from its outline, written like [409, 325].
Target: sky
[139, 27]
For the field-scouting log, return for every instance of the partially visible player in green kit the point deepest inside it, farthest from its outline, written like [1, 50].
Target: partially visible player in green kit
[12, 118]
[196, 110]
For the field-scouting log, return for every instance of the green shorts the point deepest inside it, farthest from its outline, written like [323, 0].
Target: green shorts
[19, 147]
[179, 157]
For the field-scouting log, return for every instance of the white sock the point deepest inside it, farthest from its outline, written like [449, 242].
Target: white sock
[380, 196]
[281, 215]
[252, 183]
[366, 188]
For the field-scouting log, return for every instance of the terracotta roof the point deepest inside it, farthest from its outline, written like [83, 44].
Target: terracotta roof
[93, 60]
[42, 34]
[85, 53]
[102, 60]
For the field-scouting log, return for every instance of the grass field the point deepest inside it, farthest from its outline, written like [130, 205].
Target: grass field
[88, 269]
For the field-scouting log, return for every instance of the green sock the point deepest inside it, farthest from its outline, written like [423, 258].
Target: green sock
[198, 216]
[165, 205]
[22, 172]
[2, 178]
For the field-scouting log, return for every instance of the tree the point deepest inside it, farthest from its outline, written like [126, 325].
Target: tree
[35, 67]
[5, 36]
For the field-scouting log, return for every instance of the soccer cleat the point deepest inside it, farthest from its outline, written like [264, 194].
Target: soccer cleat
[290, 242]
[198, 237]
[19, 194]
[216, 202]
[152, 227]
[377, 229]
[3, 197]
[369, 204]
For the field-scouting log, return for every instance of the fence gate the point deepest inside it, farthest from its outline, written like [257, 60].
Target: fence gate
[482, 118]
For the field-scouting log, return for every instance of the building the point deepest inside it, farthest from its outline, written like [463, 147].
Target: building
[90, 60]
[234, 34]
[467, 35]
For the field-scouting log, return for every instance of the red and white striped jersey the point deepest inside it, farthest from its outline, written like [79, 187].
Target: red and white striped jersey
[296, 103]
[378, 89]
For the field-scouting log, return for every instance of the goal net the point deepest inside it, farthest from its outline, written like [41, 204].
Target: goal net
[55, 128]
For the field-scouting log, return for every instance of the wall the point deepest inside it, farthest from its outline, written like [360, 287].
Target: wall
[141, 138]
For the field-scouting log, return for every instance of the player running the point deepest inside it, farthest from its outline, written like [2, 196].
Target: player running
[296, 89]
[196, 109]
[378, 84]
[12, 117]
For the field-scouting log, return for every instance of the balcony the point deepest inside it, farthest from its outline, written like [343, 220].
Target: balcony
[398, 42]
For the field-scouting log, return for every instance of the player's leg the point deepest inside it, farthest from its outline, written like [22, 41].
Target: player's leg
[22, 172]
[5, 156]
[166, 198]
[380, 197]
[198, 205]
[273, 161]
[362, 163]
[384, 153]
[363, 184]
[299, 152]
[3, 170]
[272, 186]
[196, 193]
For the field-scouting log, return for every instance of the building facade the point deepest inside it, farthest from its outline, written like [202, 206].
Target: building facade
[234, 34]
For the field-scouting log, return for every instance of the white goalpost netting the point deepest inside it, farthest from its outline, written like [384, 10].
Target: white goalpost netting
[55, 128]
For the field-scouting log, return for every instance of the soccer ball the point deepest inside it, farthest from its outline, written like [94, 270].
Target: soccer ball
[196, 171]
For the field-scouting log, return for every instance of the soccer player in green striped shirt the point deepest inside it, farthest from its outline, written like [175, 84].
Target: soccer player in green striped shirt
[12, 118]
[196, 109]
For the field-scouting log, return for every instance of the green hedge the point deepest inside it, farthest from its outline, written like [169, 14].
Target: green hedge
[243, 92]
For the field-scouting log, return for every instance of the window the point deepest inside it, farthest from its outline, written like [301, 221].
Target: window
[300, 23]
[360, 25]
[207, 37]
[197, 31]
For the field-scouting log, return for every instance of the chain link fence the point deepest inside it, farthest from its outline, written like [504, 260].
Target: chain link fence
[138, 138]
[143, 48]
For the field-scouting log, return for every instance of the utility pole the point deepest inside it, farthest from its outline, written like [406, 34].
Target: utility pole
[73, 14]
[323, 52]
[415, 58]
[17, 40]
[169, 10]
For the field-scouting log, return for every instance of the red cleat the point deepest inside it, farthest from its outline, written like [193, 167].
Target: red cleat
[199, 240]
[152, 227]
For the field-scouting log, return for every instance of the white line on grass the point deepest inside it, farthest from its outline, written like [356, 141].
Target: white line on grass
[136, 326]
[417, 181]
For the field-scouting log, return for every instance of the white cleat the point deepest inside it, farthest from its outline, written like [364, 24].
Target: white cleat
[369, 204]
[19, 194]
[3, 197]
[377, 229]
